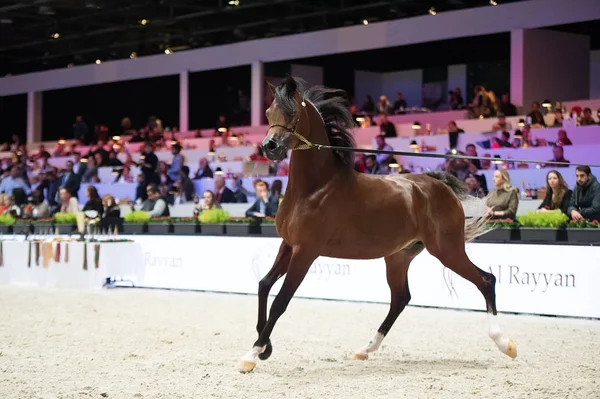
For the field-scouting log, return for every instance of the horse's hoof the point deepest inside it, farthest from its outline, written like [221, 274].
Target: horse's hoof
[511, 350]
[360, 356]
[246, 366]
[267, 353]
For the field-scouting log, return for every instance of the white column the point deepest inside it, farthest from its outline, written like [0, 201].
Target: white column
[517, 42]
[34, 117]
[257, 94]
[183, 101]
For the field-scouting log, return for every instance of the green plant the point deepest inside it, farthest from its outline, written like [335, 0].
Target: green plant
[136, 217]
[213, 216]
[583, 224]
[551, 219]
[65, 218]
[7, 219]
[503, 223]
[268, 220]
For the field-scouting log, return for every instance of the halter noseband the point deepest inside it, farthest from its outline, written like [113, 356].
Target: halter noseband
[307, 144]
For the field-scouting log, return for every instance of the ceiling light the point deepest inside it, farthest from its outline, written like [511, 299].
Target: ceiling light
[493, 3]
[365, 22]
[234, 3]
[133, 55]
[168, 51]
[432, 11]
[98, 61]
[143, 21]
[55, 35]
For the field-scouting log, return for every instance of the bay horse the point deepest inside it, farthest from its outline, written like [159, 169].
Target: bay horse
[331, 210]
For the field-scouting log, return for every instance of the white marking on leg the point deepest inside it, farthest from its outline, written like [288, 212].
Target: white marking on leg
[253, 353]
[372, 346]
[496, 334]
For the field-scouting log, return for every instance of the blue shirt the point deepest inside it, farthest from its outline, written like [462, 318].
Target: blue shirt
[9, 184]
[263, 207]
[175, 168]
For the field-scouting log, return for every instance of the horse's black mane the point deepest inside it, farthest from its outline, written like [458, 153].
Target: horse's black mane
[333, 106]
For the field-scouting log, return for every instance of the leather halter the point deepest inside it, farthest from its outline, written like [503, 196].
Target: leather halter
[307, 144]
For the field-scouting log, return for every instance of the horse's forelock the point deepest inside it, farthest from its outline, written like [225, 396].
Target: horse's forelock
[290, 84]
[285, 96]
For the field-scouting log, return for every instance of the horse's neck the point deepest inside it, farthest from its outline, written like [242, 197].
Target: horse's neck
[309, 170]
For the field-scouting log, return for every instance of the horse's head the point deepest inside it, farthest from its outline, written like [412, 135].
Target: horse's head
[284, 116]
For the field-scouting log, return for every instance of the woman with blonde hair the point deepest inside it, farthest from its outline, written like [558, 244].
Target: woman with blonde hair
[111, 208]
[207, 202]
[504, 198]
[558, 194]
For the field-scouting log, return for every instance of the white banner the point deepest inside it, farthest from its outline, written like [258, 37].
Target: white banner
[116, 259]
[537, 279]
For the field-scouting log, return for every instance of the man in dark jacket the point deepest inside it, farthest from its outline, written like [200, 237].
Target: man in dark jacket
[262, 207]
[69, 180]
[149, 164]
[585, 201]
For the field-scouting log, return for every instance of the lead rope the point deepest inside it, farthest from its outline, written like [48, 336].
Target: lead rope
[309, 145]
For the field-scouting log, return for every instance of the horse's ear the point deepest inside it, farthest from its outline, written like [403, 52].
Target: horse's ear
[271, 87]
[290, 84]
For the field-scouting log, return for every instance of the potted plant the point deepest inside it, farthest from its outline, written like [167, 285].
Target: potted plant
[583, 231]
[65, 222]
[268, 228]
[212, 222]
[185, 226]
[136, 222]
[159, 225]
[543, 227]
[242, 227]
[6, 223]
[503, 230]
[42, 226]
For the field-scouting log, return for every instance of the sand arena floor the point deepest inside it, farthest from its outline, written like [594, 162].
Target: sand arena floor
[59, 343]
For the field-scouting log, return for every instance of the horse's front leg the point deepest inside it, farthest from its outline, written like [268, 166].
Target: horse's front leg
[300, 262]
[279, 269]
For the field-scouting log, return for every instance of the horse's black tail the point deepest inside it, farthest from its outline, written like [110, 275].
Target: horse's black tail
[475, 226]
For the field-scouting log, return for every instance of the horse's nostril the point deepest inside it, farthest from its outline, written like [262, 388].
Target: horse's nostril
[271, 145]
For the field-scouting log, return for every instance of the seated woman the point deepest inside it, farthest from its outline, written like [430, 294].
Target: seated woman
[112, 213]
[276, 189]
[504, 198]
[558, 195]
[94, 202]
[262, 207]
[206, 203]
[111, 209]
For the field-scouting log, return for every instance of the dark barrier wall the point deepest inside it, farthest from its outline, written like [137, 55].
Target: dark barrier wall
[13, 114]
[107, 104]
[214, 92]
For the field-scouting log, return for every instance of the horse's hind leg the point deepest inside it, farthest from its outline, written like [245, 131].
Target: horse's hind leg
[397, 277]
[452, 255]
